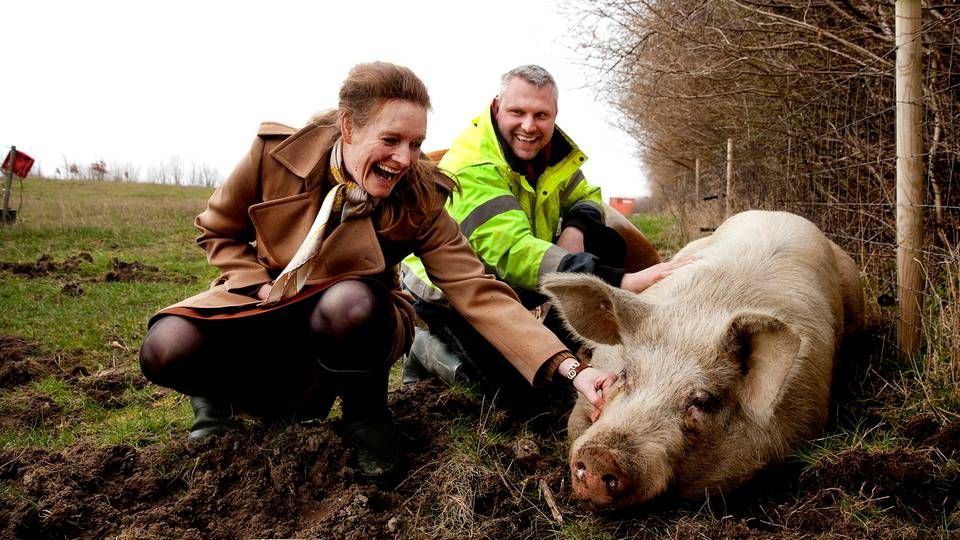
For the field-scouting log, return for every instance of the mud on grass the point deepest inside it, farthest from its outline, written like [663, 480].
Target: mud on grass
[71, 271]
[472, 470]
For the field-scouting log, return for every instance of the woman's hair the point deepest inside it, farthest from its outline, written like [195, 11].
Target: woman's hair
[368, 86]
[362, 95]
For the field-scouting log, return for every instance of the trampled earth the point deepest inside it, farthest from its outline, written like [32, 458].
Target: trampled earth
[472, 469]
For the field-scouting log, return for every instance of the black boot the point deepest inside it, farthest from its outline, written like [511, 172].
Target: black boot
[378, 458]
[369, 422]
[210, 418]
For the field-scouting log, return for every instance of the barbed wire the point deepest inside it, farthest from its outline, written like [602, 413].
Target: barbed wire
[892, 204]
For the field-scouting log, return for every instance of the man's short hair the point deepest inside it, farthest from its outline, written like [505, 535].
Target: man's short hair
[533, 74]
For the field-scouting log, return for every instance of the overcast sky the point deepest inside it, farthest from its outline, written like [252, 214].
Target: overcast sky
[141, 81]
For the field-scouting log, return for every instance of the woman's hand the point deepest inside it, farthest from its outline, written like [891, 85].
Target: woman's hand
[592, 383]
[638, 281]
[264, 291]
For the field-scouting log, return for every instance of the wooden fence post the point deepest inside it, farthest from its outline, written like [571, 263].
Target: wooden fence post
[726, 195]
[6, 217]
[696, 180]
[909, 176]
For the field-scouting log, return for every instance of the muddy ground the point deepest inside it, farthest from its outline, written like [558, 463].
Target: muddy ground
[473, 469]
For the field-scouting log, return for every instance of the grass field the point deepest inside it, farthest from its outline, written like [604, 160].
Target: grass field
[88, 448]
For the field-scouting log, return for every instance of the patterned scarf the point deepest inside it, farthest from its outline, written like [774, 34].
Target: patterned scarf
[346, 198]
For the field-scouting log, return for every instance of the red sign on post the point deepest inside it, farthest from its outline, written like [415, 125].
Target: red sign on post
[21, 164]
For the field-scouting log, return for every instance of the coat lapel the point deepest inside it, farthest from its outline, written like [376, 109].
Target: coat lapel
[352, 248]
[303, 152]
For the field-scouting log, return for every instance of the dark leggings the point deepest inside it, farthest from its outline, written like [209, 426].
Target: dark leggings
[291, 361]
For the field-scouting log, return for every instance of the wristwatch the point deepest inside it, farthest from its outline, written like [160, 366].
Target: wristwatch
[575, 368]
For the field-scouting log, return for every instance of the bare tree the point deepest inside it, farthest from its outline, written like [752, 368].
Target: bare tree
[805, 89]
[202, 174]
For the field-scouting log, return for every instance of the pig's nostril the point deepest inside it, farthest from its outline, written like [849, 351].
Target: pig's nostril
[610, 481]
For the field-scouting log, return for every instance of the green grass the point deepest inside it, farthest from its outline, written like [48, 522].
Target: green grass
[104, 324]
[137, 425]
[144, 223]
[662, 230]
[871, 439]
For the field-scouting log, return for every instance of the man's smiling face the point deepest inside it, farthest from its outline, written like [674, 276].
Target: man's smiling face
[526, 116]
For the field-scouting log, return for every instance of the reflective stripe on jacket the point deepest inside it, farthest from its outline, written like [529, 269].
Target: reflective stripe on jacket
[510, 224]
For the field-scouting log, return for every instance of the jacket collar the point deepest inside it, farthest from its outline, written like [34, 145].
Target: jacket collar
[305, 151]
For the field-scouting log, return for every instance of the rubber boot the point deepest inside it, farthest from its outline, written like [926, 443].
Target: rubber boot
[429, 354]
[378, 457]
[210, 418]
[413, 372]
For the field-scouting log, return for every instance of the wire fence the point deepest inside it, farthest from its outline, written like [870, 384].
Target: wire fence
[832, 157]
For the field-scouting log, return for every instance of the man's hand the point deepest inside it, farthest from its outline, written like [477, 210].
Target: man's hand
[639, 281]
[571, 239]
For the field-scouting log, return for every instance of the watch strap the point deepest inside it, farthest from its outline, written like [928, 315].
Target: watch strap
[575, 369]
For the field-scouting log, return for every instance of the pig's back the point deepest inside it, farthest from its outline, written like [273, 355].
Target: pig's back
[776, 262]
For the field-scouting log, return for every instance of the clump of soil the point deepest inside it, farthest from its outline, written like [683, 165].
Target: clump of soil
[17, 365]
[122, 271]
[22, 361]
[72, 288]
[107, 386]
[45, 265]
[911, 481]
[28, 409]
[260, 480]
[133, 271]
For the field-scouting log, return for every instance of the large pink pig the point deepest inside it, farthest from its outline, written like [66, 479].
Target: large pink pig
[724, 366]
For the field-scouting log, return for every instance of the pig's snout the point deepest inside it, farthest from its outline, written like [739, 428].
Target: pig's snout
[598, 477]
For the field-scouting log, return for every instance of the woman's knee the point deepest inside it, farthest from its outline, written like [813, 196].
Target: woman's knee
[346, 307]
[168, 341]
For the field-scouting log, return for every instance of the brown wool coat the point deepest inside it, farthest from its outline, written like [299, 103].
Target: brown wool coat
[257, 219]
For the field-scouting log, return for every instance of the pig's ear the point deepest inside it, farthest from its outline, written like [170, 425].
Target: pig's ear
[766, 350]
[593, 309]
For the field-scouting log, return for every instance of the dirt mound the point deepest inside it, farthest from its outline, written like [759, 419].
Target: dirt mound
[133, 271]
[911, 482]
[107, 386]
[120, 271]
[17, 365]
[45, 265]
[22, 361]
[28, 409]
[260, 480]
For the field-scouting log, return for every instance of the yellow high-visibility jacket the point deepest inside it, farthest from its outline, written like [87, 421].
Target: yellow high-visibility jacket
[510, 224]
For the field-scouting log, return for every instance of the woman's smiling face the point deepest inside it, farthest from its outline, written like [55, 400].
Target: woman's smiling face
[378, 154]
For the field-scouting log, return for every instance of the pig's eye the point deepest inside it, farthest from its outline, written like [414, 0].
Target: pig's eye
[699, 405]
[702, 400]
